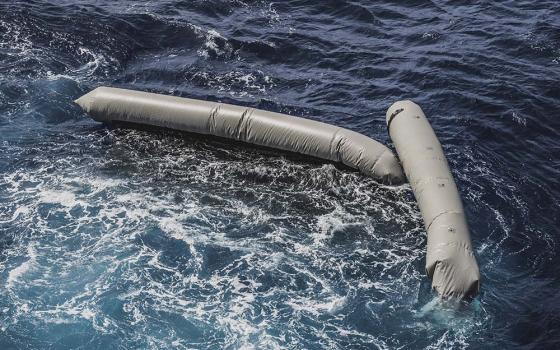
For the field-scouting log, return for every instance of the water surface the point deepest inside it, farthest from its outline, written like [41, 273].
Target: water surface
[113, 238]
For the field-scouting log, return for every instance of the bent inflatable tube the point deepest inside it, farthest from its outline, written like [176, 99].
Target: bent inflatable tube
[246, 124]
[450, 262]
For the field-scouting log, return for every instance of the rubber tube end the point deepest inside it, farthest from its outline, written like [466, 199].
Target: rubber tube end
[389, 169]
[398, 107]
[455, 281]
[86, 101]
[451, 266]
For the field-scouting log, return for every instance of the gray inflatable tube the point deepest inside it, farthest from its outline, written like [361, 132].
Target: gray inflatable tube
[450, 262]
[245, 124]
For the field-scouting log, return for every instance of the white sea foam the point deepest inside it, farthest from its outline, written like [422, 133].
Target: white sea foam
[16, 273]
[214, 43]
[64, 198]
[126, 239]
[239, 83]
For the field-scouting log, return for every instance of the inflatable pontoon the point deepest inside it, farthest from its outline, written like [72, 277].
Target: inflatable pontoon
[450, 261]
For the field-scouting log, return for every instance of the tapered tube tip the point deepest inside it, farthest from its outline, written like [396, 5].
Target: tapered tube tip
[86, 101]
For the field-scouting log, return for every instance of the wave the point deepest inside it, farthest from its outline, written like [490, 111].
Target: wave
[143, 239]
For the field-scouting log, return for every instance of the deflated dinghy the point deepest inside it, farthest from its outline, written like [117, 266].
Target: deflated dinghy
[450, 262]
[245, 124]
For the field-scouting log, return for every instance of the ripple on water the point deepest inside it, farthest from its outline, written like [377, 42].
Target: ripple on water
[136, 239]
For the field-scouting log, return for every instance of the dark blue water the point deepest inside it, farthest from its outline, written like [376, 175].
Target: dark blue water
[113, 238]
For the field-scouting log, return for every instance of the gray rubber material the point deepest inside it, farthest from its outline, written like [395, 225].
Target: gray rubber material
[246, 124]
[450, 262]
